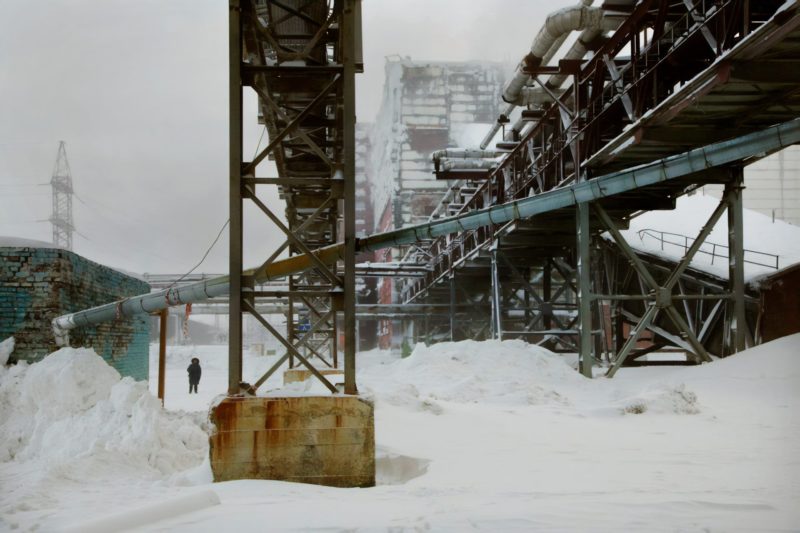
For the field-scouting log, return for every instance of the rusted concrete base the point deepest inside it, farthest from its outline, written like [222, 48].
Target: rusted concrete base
[325, 440]
[293, 375]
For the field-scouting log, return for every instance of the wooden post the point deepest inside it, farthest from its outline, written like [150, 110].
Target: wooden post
[162, 352]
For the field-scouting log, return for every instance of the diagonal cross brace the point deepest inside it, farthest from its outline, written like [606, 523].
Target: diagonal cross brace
[303, 135]
[307, 222]
[291, 125]
[289, 347]
[638, 265]
[644, 323]
[292, 237]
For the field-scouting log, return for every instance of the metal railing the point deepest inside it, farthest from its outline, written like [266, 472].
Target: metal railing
[715, 251]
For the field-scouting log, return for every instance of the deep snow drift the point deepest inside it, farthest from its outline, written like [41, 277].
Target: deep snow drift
[71, 419]
[500, 436]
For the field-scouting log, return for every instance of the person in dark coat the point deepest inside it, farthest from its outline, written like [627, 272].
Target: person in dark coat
[194, 371]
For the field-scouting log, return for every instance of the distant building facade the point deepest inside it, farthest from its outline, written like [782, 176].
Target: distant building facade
[427, 106]
[772, 186]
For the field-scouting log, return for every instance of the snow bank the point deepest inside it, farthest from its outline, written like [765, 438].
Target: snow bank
[73, 405]
[664, 399]
[470, 372]
[778, 359]
[6, 349]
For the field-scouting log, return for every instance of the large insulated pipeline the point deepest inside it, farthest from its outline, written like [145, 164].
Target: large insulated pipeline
[464, 159]
[537, 96]
[510, 107]
[742, 148]
[559, 24]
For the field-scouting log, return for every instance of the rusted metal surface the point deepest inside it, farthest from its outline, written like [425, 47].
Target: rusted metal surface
[323, 440]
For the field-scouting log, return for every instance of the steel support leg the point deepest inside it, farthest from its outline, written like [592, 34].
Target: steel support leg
[497, 300]
[547, 295]
[736, 262]
[584, 289]
[452, 308]
[349, 148]
[235, 199]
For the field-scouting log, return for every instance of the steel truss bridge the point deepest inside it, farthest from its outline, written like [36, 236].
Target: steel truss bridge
[675, 96]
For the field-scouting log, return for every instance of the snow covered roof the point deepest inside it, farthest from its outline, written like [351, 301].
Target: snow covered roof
[19, 242]
[769, 245]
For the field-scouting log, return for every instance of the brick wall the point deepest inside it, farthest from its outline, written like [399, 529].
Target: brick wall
[39, 284]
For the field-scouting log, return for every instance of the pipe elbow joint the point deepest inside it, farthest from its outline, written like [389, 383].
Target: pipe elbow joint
[60, 334]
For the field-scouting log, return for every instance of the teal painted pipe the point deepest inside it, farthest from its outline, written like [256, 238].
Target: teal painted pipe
[735, 150]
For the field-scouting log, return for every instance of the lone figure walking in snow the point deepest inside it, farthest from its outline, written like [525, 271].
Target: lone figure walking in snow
[194, 371]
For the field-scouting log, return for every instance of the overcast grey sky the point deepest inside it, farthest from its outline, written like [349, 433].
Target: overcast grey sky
[138, 90]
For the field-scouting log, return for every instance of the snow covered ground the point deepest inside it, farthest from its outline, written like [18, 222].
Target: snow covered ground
[471, 436]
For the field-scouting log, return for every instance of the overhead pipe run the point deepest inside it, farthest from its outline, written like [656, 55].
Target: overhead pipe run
[445, 165]
[559, 23]
[749, 146]
[454, 153]
[742, 148]
[556, 29]
[452, 158]
[506, 114]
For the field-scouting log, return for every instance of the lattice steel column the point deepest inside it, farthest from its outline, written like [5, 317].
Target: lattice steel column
[300, 58]
[235, 196]
[452, 287]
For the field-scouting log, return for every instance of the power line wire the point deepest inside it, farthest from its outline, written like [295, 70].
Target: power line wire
[225, 225]
[258, 146]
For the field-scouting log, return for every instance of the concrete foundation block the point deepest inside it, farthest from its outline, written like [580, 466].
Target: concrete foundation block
[324, 440]
[294, 375]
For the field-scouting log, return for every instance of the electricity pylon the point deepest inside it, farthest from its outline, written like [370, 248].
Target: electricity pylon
[61, 217]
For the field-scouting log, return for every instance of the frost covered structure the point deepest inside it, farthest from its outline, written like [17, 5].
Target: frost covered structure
[426, 106]
[39, 283]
